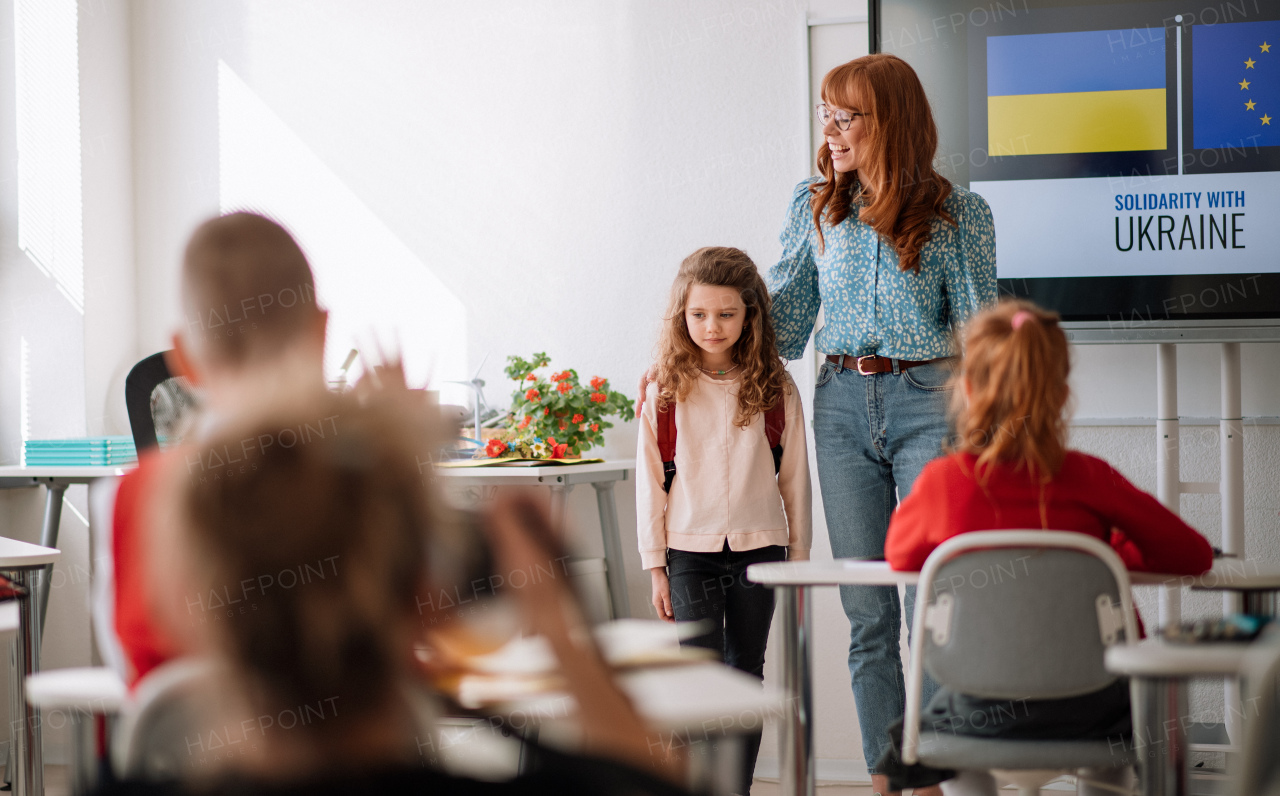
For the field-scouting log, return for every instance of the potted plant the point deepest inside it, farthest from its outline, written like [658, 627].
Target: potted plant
[553, 415]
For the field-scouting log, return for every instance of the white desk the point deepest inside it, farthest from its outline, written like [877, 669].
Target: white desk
[55, 480]
[708, 707]
[601, 475]
[20, 561]
[1159, 673]
[794, 579]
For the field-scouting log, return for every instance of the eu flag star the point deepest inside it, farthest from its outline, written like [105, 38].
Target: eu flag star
[1249, 105]
[1249, 63]
[1266, 48]
[1244, 84]
[1266, 119]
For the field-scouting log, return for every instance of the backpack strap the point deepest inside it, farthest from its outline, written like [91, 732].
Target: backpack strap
[667, 444]
[775, 421]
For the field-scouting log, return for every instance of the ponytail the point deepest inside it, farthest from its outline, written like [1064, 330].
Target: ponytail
[1014, 393]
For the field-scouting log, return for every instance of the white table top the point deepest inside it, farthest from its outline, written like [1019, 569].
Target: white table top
[704, 698]
[1227, 573]
[840, 572]
[615, 470]
[15, 475]
[1156, 658]
[15, 554]
[94, 689]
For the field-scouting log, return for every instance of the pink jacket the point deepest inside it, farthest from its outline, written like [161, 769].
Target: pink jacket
[725, 486]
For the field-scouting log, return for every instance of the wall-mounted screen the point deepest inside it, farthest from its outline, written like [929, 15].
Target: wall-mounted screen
[1130, 152]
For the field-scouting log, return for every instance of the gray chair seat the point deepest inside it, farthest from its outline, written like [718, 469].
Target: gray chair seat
[947, 750]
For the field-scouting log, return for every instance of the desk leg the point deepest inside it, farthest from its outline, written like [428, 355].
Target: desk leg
[615, 569]
[49, 538]
[795, 741]
[28, 779]
[1261, 603]
[1159, 739]
[559, 501]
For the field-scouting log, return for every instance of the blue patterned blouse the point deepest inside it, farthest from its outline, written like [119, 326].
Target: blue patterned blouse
[872, 305]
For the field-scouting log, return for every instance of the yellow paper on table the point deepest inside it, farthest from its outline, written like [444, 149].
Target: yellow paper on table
[515, 461]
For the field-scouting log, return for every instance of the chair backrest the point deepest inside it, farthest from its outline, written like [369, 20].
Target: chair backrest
[1017, 615]
[164, 731]
[1259, 765]
[174, 725]
[157, 401]
[1021, 622]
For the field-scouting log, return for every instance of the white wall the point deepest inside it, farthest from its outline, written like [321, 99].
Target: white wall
[546, 165]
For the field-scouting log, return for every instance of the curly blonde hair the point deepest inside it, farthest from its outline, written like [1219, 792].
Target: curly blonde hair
[763, 377]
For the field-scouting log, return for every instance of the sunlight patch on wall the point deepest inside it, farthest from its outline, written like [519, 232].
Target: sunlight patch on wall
[24, 399]
[375, 287]
[47, 92]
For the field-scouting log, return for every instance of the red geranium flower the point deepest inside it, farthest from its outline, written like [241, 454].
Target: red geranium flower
[599, 397]
[524, 423]
[577, 419]
[531, 377]
[564, 387]
[533, 395]
[595, 426]
[546, 410]
[597, 382]
[561, 376]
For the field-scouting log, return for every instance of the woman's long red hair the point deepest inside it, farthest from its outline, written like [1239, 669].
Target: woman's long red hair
[900, 193]
[1010, 401]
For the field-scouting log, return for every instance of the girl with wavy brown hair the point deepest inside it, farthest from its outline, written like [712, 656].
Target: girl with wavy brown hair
[735, 497]
[897, 257]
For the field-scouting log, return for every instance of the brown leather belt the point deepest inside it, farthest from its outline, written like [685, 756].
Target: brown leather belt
[869, 365]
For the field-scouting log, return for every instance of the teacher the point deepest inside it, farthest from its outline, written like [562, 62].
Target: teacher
[899, 258]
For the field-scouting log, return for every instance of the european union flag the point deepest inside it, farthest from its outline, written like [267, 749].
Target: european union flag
[1235, 85]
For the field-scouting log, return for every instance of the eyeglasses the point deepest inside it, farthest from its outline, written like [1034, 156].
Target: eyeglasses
[843, 118]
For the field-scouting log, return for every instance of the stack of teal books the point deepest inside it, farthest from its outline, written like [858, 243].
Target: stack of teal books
[82, 452]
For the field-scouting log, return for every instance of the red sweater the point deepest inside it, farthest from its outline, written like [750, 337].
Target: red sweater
[1087, 495]
[143, 642]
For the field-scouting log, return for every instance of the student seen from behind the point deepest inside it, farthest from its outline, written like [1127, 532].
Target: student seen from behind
[1010, 468]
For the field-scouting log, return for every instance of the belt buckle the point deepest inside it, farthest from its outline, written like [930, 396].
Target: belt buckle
[858, 363]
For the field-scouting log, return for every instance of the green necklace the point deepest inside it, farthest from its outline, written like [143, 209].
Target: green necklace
[719, 372]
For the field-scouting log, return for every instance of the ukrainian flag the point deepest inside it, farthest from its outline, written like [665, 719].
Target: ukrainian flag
[1086, 91]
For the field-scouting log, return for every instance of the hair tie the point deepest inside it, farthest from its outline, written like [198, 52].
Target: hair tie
[1020, 317]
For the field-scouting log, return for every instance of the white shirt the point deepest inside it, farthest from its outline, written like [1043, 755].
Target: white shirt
[724, 488]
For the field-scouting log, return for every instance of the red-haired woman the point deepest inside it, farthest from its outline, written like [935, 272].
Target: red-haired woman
[898, 257]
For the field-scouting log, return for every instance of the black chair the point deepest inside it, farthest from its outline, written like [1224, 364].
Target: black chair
[155, 399]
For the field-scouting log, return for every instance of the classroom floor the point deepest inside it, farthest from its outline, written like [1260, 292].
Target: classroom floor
[55, 784]
[769, 787]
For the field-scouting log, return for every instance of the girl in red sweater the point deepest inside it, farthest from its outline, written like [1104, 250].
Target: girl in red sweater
[1010, 468]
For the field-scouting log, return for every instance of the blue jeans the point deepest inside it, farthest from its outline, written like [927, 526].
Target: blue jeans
[874, 434]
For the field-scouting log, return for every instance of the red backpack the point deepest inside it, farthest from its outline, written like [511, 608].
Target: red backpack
[775, 420]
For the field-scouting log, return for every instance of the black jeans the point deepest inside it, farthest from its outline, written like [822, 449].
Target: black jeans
[713, 588]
